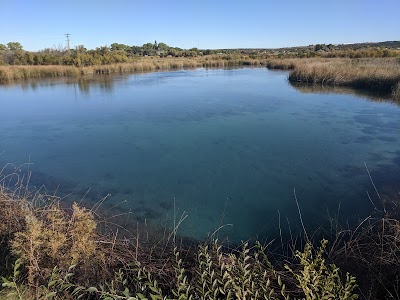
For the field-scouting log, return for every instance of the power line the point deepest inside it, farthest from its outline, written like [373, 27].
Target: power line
[67, 35]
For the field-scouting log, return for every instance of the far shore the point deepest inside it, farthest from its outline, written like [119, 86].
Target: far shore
[372, 74]
[16, 72]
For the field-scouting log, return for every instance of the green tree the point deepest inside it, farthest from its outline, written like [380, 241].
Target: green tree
[117, 46]
[29, 58]
[319, 47]
[37, 60]
[148, 49]
[80, 49]
[19, 58]
[14, 46]
[3, 47]
[163, 47]
[135, 50]
[104, 50]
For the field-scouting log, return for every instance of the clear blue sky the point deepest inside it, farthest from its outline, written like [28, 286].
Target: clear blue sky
[205, 24]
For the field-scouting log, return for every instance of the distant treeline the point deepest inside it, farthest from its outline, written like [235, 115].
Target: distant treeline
[14, 54]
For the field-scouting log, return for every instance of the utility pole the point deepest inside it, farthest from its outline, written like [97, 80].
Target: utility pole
[67, 35]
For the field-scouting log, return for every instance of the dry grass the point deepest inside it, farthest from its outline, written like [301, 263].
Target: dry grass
[49, 241]
[371, 251]
[8, 73]
[374, 74]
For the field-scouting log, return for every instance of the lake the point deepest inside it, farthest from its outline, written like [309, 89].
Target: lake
[226, 147]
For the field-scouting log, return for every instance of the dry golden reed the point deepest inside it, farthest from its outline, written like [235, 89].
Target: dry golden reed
[8, 73]
[83, 233]
[50, 237]
[374, 74]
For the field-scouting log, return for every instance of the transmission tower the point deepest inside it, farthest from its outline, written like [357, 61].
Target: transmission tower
[67, 36]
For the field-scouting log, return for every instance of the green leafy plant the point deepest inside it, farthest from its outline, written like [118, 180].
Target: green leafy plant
[13, 288]
[320, 281]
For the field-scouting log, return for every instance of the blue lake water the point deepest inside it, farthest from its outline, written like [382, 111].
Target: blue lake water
[224, 146]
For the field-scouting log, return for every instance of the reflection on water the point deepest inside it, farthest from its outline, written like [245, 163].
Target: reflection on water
[225, 146]
[104, 83]
[83, 84]
[327, 89]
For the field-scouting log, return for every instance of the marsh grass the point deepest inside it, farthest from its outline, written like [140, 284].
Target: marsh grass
[372, 252]
[373, 74]
[9, 73]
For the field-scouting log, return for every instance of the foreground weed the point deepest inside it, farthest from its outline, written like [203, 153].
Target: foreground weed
[183, 288]
[29, 245]
[320, 281]
[52, 238]
[58, 258]
[140, 285]
[13, 289]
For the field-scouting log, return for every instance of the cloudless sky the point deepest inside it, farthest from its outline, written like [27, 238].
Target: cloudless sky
[204, 24]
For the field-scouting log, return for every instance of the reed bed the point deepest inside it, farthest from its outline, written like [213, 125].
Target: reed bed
[9, 73]
[166, 64]
[372, 251]
[375, 74]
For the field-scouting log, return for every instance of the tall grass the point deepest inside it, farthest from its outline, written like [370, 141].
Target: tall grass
[374, 74]
[8, 73]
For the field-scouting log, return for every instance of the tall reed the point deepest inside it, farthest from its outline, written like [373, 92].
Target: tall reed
[9, 73]
[374, 74]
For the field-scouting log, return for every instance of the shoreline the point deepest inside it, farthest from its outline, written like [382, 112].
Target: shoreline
[380, 75]
[12, 73]
[43, 241]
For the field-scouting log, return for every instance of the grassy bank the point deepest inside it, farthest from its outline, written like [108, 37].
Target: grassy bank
[380, 75]
[8, 73]
[48, 252]
[377, 74]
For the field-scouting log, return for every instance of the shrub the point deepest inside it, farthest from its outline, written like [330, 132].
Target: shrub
[320, 281]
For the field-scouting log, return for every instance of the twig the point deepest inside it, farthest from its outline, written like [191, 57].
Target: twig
[137, 241]
[376, 190]
[301, 219]
[369, 197]
[218, 229]
[280, 229]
